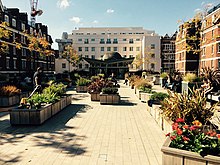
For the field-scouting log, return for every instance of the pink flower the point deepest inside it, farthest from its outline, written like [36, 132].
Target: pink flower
[175, 126]
[173, 137]
[180, 120]
[185, 138]
[194, 127]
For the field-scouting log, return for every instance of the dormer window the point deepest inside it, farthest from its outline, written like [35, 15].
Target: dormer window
[14, 22]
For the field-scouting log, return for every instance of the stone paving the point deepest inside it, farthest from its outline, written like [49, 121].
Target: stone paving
[86, 133]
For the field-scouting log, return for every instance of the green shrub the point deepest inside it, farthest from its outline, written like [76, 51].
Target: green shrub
[190, 77]
[82, 82]
[163, 75]
[146, 90]
[110, 90]
[159, 96]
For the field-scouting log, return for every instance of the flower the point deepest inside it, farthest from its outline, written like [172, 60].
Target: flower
[194, 127]
[218, 136]
[197, 123]
[185, 138]
[168, 134]
[211, 133]
[179, 131]
[173, 137]
[186, 127]
[180, 120]
[175, 126]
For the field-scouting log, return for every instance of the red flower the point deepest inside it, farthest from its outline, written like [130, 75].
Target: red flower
[185, 138]
[218, 136]
[180, 120]
[211, 133]
[179, 131]
[186, 127]
[168, 134]
[194, 127]
[175, 126]
[173, 137]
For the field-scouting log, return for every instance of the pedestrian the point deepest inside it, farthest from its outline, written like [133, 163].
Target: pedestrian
[37, 79]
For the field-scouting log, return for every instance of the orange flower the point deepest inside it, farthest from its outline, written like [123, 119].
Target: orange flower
[197, 123]
[179, 131]
[186, 127]
[218, 136]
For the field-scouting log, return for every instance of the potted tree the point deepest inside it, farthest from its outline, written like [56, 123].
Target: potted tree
[110, 96]
[81, 84]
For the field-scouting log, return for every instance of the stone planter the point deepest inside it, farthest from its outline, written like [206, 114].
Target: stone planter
[190, 85]
[109, 99]
[95, 96]
[37, 116]
[81, 89]
[173, 156]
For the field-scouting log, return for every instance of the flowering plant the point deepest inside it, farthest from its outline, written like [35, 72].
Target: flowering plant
[196, 137]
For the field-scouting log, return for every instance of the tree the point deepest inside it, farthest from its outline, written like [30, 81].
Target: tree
[4, 34]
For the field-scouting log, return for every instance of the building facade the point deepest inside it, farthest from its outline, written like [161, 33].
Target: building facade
[210, 45]
[20, 62]
[129, 42]
[188, 47]
[168, 53]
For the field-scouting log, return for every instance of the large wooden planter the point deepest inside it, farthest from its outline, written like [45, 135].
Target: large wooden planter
[81, 89]
[95, 96]
[173, 156]
[37, 116]
[109, 99]
[186, 86]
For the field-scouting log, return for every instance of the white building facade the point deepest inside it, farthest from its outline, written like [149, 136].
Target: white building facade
[128, 42]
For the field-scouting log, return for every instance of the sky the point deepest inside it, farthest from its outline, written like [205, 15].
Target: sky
[159, 15]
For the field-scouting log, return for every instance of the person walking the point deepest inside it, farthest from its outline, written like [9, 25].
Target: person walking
[37, 80]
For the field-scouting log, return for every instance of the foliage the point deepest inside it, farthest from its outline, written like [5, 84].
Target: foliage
[96, 86]
[190, 77]
[190, 107]
[4, 33]
[211, 74]
[194, 137]
[37, 100]
[57, 89]
[159, 96]
[95, 78]
[146, 90]
[110, 90]
[9, 90]
[101, 75]
[71, 55]
[82, 82]
[142, 83]
[163, 75]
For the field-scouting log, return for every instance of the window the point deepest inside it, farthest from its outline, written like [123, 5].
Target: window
[23, 52]
[212, 49]
[32, 65]
[115, 49]
[79, 49]
[93, 39]
[203, 51]
[7, 63]
[86, 49]
[124, 39]
[138, 39]
[31, 30]
[87, 66]
[212, 34]
[108, 49]
[212, 64]
[152, 46]
[14, 50]
[137, 48]
[115, 41]
[152, 65]
[22, 26]
[108, 41]
[102, 41]
[131, 48]
[93, 56]
[131, 41]
[23, 64]
[218, 47]
[88, 33]
[124, 48]
[93, 49]
[86, 41]
[14, 22]
[102, 49]
[152, 55]
[86, 56]
[79, 39]
[15, 64]
[63, 65]
[124, 56]
[102, 33]
[130, 56]
[13, 36]
[6, 19]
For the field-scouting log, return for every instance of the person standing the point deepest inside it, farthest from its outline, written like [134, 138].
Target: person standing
[37, 79]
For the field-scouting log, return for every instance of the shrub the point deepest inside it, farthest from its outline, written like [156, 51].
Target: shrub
[190, 107]
[146, 90]
[95, 78]
[163, 75]
[159, 96]
[82, 82]
[96, 86]
[110, 90]
[9, 90]
[190, 77]
[142, 83]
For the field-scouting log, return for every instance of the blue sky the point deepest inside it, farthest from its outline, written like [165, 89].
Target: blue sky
[159, 15]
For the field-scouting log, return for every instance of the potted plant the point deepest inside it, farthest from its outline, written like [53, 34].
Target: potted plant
[193, 143]
[95, 88]
[9, 95]
[141, 83]
[109, 95]
[81, 84]
[145, 93]
[163, 78]
[190, 81]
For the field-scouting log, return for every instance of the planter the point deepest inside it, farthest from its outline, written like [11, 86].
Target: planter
[38, 116]
[95, 96]
[190, 85]
[156, 80]
[144, 97]
[109, 99]
[9, 101]
[173, 156]
[81, 89]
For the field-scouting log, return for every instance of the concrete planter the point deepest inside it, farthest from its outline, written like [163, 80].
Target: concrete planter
[109, 99]
[95, 97]
[190, 85]
[37, 116]
[166, 125]
[81, 89]
[144, 97]
[173, 156]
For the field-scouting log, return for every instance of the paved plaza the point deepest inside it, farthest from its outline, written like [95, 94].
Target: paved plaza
[86, 133]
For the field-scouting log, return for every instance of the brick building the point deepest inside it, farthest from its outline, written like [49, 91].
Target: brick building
[22, 62]
[210, 45]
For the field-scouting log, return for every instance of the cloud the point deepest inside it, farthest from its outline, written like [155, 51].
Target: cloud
[110, 11]
[95, 22]
[76, 20]
[197, 10]
[63, 4]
